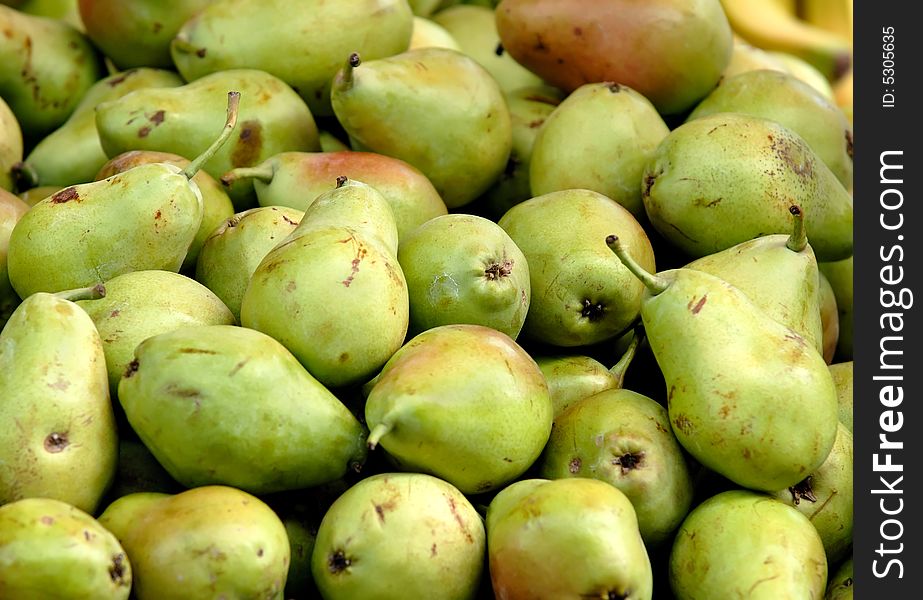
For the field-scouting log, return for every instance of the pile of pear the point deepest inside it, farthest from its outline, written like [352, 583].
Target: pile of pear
[425, 299]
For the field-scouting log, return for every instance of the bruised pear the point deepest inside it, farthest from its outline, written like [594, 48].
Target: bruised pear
[440, 536]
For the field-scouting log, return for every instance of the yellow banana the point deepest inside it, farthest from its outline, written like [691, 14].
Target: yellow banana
[767, 25]
[832, 15]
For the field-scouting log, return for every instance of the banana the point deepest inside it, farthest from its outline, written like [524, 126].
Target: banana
[834, 16]
[767, 25]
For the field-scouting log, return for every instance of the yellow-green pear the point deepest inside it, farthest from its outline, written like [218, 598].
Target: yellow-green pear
[843, 379]
[840, 585]
[10, 145]
[429, 34]
[11, 210]
[840, 275]
[829, 317]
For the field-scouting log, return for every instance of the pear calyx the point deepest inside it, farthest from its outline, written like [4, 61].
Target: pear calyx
[652, 282]
[229, 125]
[798, 240]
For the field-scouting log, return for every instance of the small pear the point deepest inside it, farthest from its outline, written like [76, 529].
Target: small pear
[429, 34]
[583, 295]
[235, 249]
[296, 179]
[624, 439]
[465, 269]
[207, 399]
[464, 403]
[738, 540]
[435, 108]
[738, 380]
[840, 275]
[840, 585]
[54, 390]
[144, 218]
[440, 536]
[141, 304]
[10, 145]
[50, 549]
[843, 379]
[217, 541]
[829, 318]
[568, 538]
[333, 291]
[11, 210]
[600, 138]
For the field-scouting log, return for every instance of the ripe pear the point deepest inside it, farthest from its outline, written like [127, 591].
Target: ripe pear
[235, 249]
[50, 549]
[207, 399]
[330, 143]
[435, 108]
[826, 497]
[568, 538]
[779, 274]
[581, 293]
[65, 10]
[208, 542]
[670, 51]
[296, 179]
[181, 120]
[141, 304]
[35, 195]
[216, 206]
[738, 540]
[829, 317]
[440, 537]
[333, 291]
[600, 138]
[475, 30]
[429, 34]
[137, 33]
[45, 68]
[72, 153]
[60, 440]
[783, 98]
[624, 439]
[464, 403]
[302, 44]
[745, 57]
[840, 585]
[151, 214]
[465, 269]
[11, 210]
[840, 275]
[842, 374]
[10, 145]
[738, 381]
[806, 72]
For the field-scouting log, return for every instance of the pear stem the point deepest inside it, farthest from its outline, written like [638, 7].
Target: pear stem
[619, 369]
[263, 172]
[352, 62]
[88, 293]
[798, 240]
[378, 432]
[652, 282]
[230, 123]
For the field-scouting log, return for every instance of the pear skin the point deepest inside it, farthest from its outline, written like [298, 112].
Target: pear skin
[843, 379]
[840, 275]
[829, 318]
[35, 195]
[429, 34]
[10, 145]
[11, 210]
[139, 472]
[840, 586]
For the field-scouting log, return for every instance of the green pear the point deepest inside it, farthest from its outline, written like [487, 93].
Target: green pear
[235, 249]
[65, 10]
[840, 275]
[435, 108]
[72, 153]
[301, 520]
[182, 120]
[10, 145]
[529, 108]
[806, 72]
[826, 497]
[741, 544]
[465, 269]
[144, 218]
[568, 538]
[843, 379]
[429, 34]
[137, 33]
[207, 399]
[333, 291]
[624, 439]
[11, 211]
[840, 586]
[727, 178]
[60, 440]
[302, 44]
[779, 274]
[35, 195]
[829, 318]
[581, 293]
[475, 30]
[783, 98]
[464, 403]
[50, 549]
[571, 378]
[139, 472]
[141, 304]
[736, 380]
[600, 138]
[45, 68]
[397, 536]
[296, 179]
[208, 542]
[425, 8]
[330, 142]
[745, 57]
